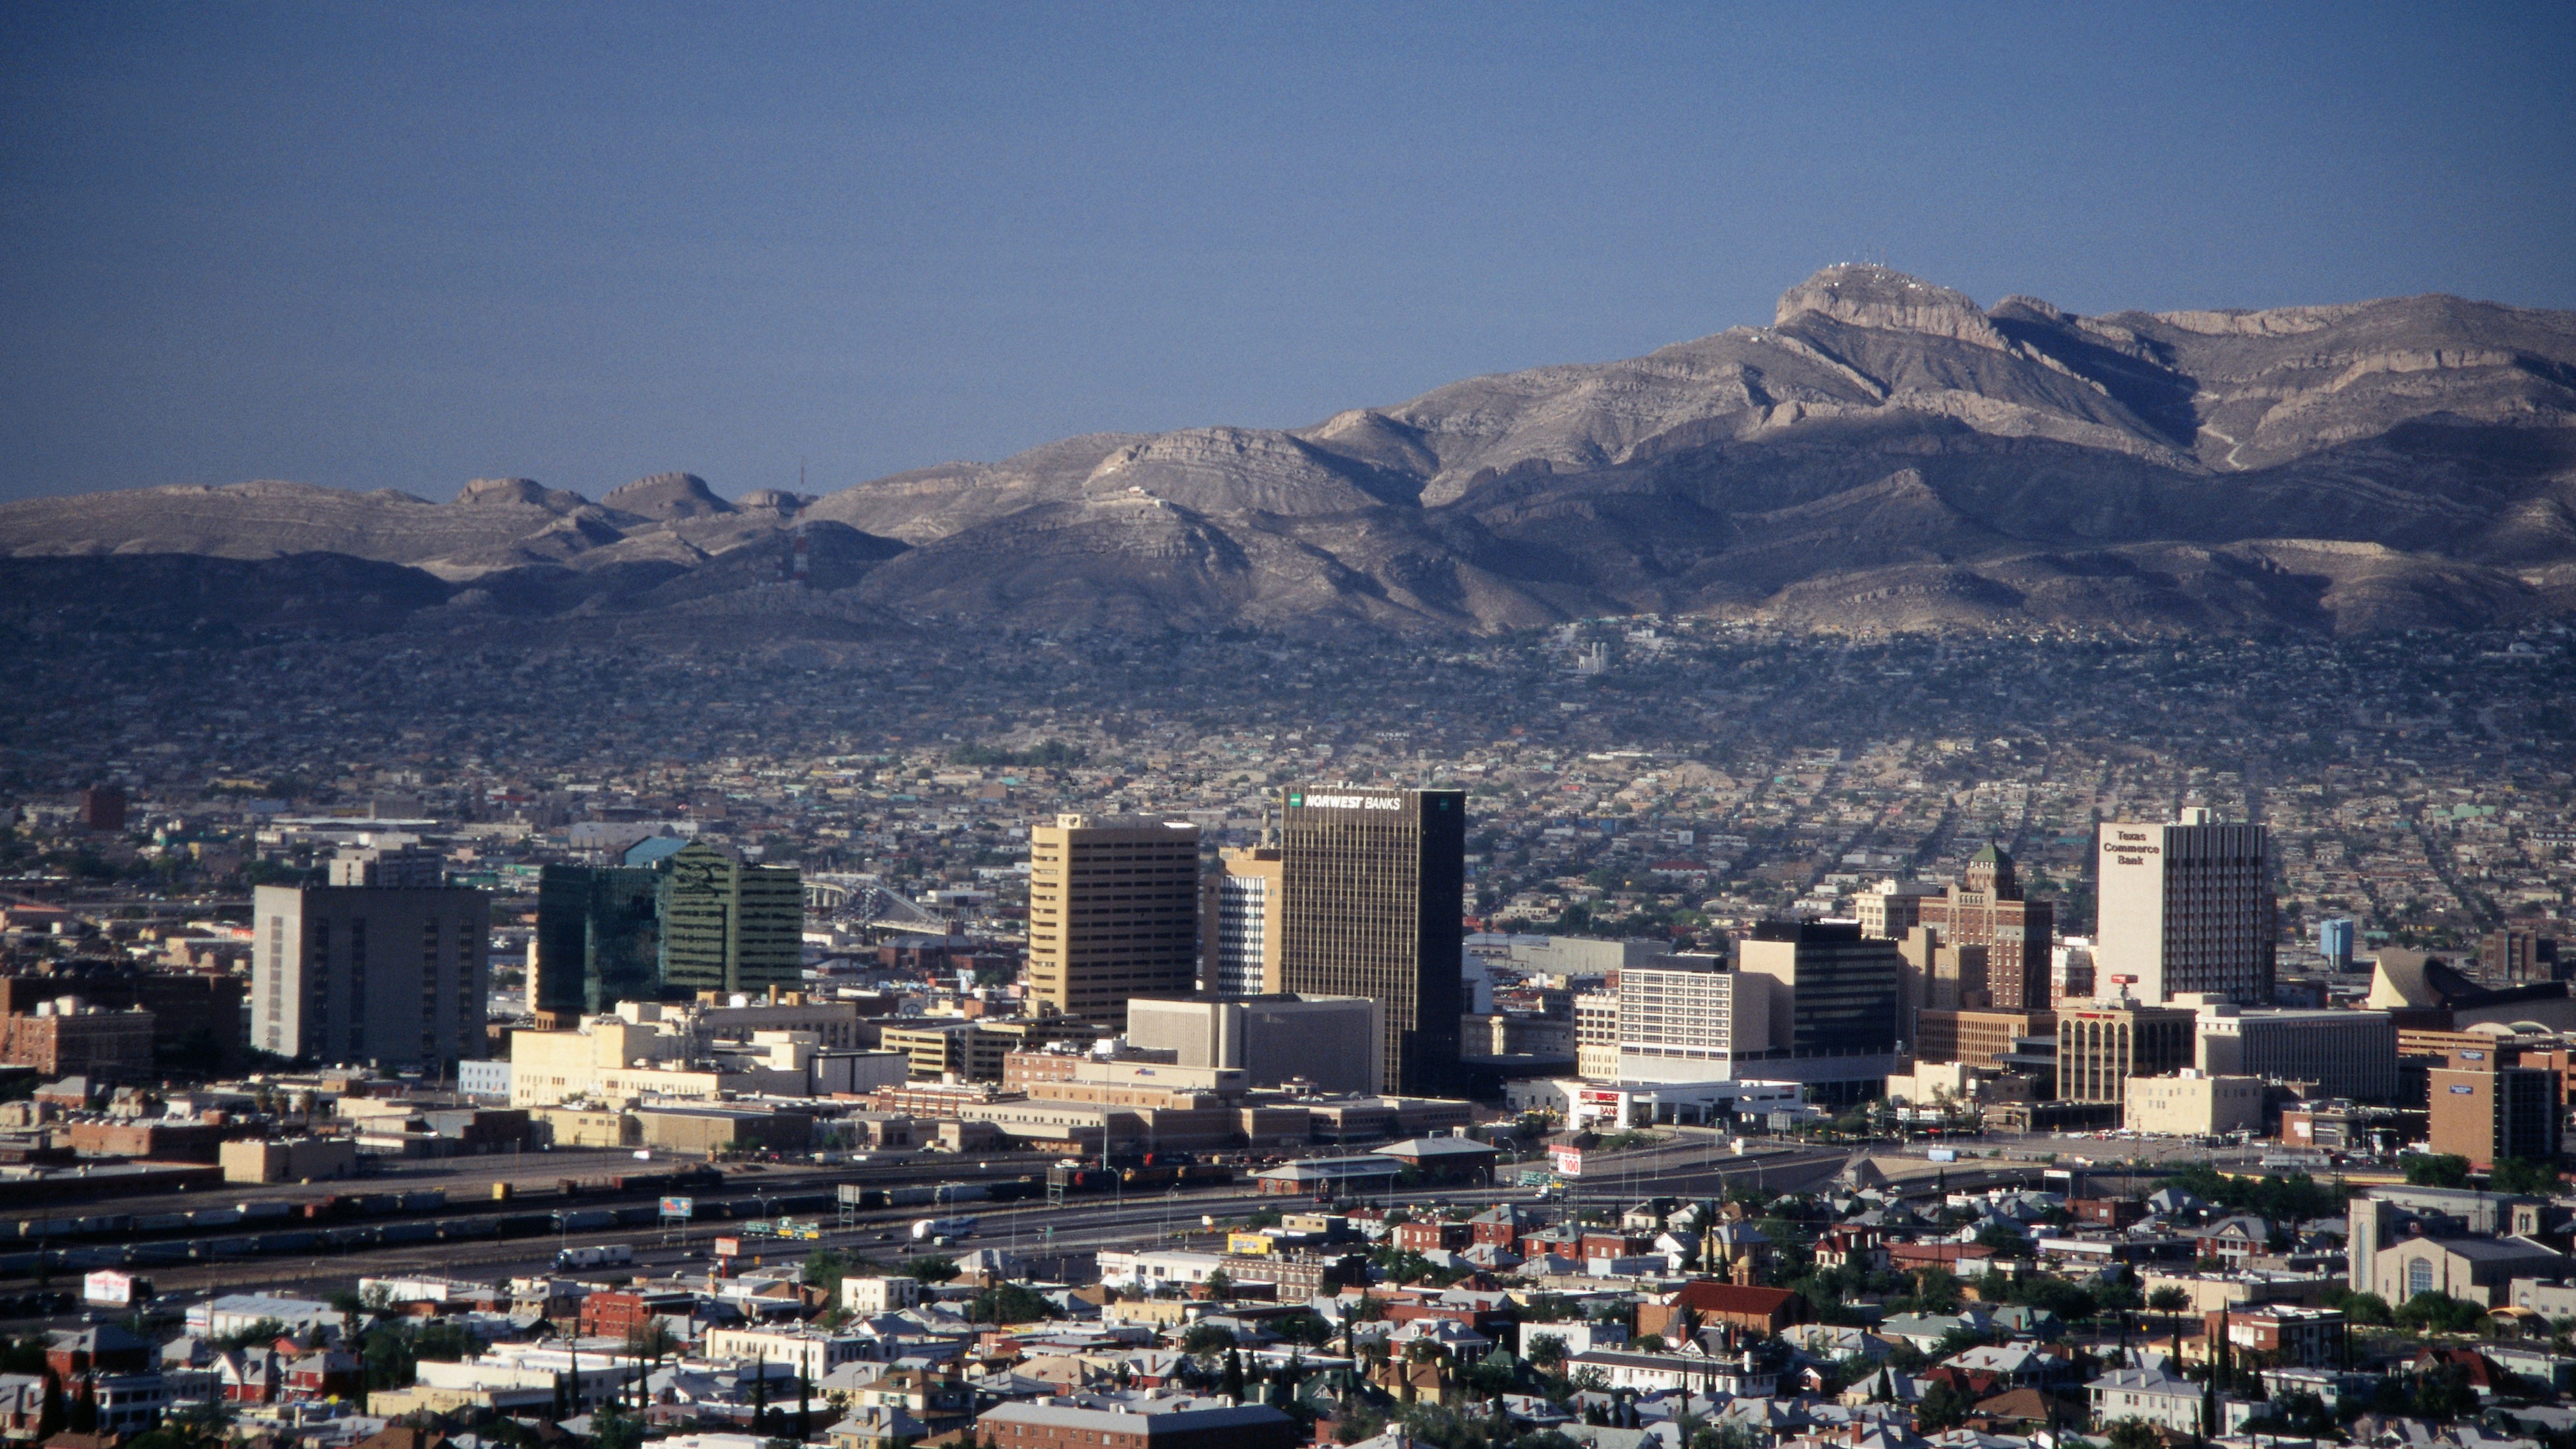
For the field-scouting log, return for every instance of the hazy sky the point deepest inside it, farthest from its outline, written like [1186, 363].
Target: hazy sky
[404, 245]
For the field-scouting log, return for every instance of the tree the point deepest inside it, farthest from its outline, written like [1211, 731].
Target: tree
[2430, 1312]
[1009, 1303]
[1206, 1340]
[2443, 1393]
[2437, 1169]
[932, 1270]
[1547, 1350]
[1941, 1407]
[2004, 1241]
[825, 1268]
[2169, 1301]
[1219, 1285]
[2516, 1174]
[2133, 1434]
[1232, 1387]
[611, 1429]
[2360, 1308]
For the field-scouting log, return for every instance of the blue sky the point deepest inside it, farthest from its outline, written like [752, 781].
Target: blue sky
[401, 246]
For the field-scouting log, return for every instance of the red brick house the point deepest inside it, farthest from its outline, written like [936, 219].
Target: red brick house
[1429, 1237]
[1709, 1303]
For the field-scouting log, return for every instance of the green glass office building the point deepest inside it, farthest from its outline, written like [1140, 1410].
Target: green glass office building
[727, 926]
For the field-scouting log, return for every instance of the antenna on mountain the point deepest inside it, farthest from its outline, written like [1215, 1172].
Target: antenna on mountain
[800, 475]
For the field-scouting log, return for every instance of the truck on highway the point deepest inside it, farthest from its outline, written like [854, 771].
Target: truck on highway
[603, 1257]
[929, 1228]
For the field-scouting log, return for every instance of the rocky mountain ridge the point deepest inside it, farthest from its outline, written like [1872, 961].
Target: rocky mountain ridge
[1884, 454]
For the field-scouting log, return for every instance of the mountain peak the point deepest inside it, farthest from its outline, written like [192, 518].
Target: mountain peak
[667, 496]
[1862, 294]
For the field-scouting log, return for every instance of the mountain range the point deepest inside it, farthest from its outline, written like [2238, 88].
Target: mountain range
[1886, 454]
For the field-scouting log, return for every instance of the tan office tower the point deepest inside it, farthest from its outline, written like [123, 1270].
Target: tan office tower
[1370, 906]
[1113, 913]
[1239, 919]
[2184, 907]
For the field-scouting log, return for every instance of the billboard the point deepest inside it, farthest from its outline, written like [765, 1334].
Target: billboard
[109, 1288]
[679, 1207]
[1569, 1161]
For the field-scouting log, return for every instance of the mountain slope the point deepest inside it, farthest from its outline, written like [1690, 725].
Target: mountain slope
[1885, 453]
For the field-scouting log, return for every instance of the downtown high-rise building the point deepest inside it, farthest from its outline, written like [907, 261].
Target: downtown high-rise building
[1370, 888]
[370, 973]
[599, 938]
[1239, 923]
[728, 926]
[2184, 906]
[1987, 909]
[1113, 913]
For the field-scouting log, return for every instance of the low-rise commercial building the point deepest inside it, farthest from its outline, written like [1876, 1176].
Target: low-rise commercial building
[2190, 1104]
[2345, 1053]
[2490, 1116]
[1272, 1039]
[302, 1159]
[1135, 1423]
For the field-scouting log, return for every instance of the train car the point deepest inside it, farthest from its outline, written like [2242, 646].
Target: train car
[584, 1220]
[292, 1241]
[523, 1225]
[266, 1212]
[429, 1201]
[104, 1225]
[160, 1222]
[14, 1264]
[411, 1232]
[1207, 1172]
[149, 1253]
[228, 1248]
[466, 1230]
[215, 1217]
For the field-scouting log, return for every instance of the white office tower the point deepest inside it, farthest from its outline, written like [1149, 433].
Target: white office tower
[1241, 919]
[2184, 907]
[1687, 1019]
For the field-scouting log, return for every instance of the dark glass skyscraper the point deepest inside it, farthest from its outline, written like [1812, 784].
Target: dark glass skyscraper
[727, 926]
[599, 938]
[1370, 885]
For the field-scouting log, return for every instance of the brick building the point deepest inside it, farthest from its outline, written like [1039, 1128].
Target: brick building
[64, 1038]
[1711, 1303]
[1986, 909]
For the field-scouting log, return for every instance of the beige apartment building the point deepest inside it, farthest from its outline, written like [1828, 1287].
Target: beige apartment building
[1113, 913]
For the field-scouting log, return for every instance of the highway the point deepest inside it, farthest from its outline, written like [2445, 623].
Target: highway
[1056, 1241]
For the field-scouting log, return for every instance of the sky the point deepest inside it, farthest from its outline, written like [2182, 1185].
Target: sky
[401, 246]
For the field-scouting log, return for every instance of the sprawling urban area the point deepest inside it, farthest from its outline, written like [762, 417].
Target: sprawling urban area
[1641, 1034]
